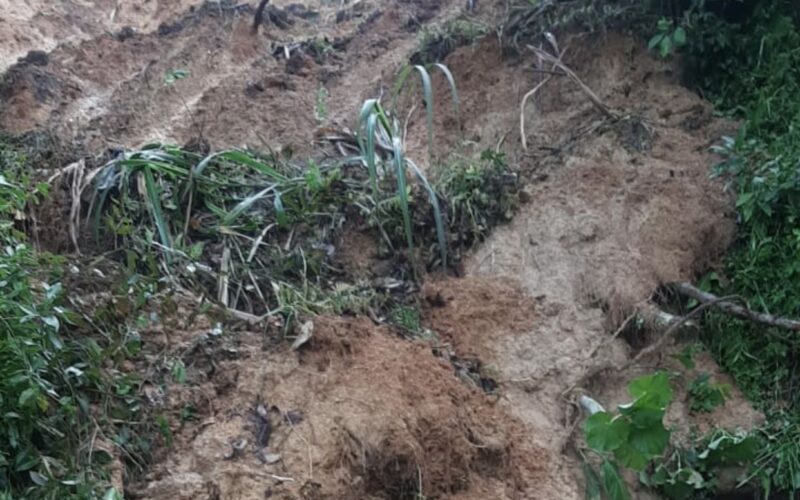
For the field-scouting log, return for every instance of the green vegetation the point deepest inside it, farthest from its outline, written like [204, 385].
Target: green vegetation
[746, 60]
[252, 235]
[692, 472]
[635, 438]
[67, 410]
[743, 56]
[706, 395]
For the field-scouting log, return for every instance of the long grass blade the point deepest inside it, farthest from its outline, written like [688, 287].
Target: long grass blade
[371, 158]
[437, 213]
[427, 91]
[402, 193]
[400, 83]
[246, 203]
[154, 204]
[453, 91]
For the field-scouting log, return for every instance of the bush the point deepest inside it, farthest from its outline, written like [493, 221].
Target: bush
[50, 379]
[749, 66]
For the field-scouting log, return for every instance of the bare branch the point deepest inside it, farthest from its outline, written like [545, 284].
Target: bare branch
[737, 310]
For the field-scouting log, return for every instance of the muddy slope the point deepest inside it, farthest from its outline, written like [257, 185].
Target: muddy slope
[108, 88]
[615, 210]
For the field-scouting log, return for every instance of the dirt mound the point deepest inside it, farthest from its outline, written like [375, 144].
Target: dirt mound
[473, 313]
[357, 413]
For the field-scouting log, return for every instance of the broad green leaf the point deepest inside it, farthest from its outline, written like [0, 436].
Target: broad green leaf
[630, 457]
[679, 37]
[665, 46]
[642, 413]
[613, 483]
[653, 389]
[604, 433]
[650, 441]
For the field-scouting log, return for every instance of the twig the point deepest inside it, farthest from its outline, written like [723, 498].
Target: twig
[530, 94]
[690, 290]
[522, 110]
[615, 335]
[556, 61]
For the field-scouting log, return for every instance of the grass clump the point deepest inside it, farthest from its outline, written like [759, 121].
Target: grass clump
[255, 233]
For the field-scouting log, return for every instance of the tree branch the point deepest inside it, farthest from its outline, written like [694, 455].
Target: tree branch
[733, 309]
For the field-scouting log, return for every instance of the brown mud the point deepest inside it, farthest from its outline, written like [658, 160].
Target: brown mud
[614, 211]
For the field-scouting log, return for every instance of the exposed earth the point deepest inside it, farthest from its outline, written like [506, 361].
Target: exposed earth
[614, 211]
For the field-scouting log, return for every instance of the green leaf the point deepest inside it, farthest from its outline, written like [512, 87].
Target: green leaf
[665, 46]
[427, 91]
[37, 478]
[437, 214]
[679, 37]
[650, 441]
[174, 75]
[653, 43]
[28, 397]
[630, 457]
[593, 487]
[604, 433]
[154, 199]
[652, 389]
[613, 483]
[179, 372]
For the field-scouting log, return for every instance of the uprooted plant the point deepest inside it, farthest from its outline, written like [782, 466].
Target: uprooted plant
[254, 233]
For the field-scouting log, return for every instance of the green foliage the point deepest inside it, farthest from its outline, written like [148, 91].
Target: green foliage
[480, 195]
[381, 129]
[668, 38]
[706, 395]
[691, 473]
[53, 373]
[212, 223]
[635, 435]
[407, 318]
[750, 66]
[686, 355]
